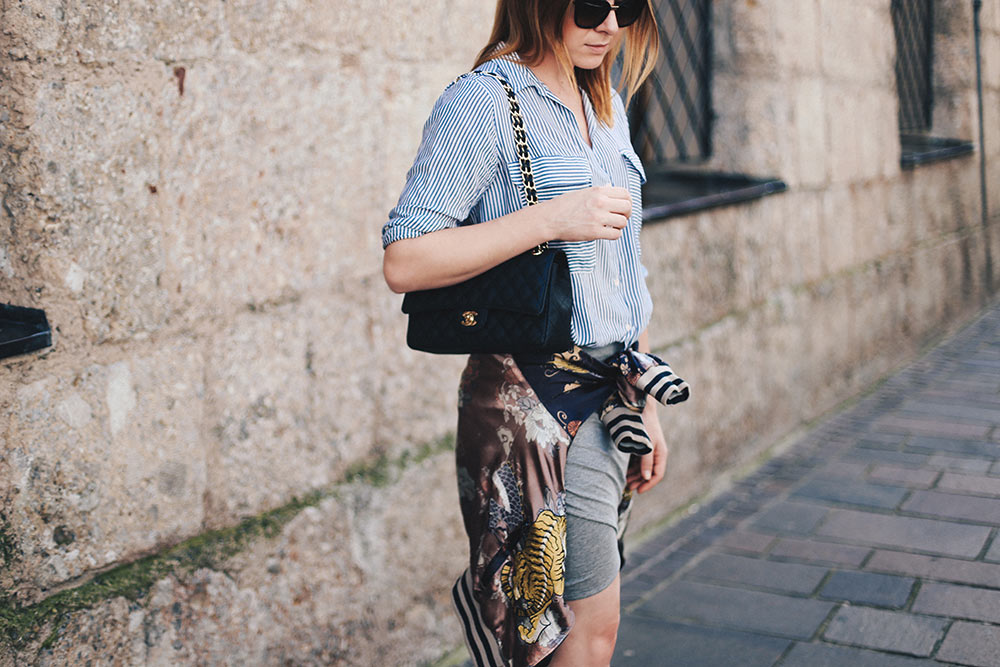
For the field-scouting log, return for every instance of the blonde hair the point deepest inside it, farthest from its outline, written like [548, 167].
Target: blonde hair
[529, 28]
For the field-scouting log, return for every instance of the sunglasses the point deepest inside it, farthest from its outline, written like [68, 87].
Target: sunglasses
[591, 13]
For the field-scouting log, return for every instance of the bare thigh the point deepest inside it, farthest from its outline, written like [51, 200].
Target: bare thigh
[591, 642]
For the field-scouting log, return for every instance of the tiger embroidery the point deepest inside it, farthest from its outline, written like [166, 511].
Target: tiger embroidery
[533, 575]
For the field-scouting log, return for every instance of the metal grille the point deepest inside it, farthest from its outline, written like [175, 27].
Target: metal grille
[671, 112]
[913, 23]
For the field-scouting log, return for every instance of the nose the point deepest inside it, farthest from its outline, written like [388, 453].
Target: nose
[610, 24]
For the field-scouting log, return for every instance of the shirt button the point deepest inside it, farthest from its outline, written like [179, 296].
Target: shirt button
[616, 282]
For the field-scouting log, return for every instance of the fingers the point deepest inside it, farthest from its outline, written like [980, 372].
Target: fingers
[591, 213]
[617, 201]
[647, 471]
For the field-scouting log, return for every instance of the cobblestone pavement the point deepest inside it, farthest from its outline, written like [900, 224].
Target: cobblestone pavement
[873, 540]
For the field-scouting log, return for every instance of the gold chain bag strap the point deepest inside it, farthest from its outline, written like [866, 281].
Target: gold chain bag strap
[522, 305]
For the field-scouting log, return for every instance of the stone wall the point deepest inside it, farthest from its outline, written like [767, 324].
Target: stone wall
[228, 455]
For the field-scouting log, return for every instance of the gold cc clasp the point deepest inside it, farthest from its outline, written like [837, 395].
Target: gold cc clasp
[469, 318]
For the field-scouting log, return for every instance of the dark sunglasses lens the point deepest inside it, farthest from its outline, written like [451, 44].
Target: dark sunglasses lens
[628, 12]
[590, 14]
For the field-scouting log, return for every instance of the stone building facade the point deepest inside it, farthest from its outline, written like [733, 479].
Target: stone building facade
[229, 456]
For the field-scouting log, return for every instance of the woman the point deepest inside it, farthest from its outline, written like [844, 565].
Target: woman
[544, 519]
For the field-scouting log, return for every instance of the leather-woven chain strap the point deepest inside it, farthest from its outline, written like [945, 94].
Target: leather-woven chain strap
[521, 145]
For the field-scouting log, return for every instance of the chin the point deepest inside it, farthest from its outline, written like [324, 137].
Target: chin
[589, 62]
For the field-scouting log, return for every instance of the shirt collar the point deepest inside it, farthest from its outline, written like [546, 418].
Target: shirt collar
[518, 76]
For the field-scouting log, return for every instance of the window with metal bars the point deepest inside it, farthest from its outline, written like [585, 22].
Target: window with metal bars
[671, 120]
[913, 23]
[672, 112]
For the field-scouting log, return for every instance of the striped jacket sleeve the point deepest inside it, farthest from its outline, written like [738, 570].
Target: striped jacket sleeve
[457, 160]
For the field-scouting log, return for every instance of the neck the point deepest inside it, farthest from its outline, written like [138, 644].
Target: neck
[549, 72]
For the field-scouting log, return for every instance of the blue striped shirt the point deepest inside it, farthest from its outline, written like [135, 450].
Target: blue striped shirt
[466, 172]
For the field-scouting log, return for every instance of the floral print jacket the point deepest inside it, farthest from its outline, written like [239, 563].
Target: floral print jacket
[517, 419]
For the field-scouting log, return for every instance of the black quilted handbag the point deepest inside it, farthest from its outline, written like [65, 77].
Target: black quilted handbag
[521, 305]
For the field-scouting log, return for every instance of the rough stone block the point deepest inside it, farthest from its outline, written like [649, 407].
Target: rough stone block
[306, 218]
[796, 33]
[889, 630]
[100, 250]
[854, 45]
[104, 463]
[839, 220]
[358, 565]
[291, 402]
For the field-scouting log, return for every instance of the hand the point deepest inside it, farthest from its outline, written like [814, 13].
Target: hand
[645, 472]
[588, 214]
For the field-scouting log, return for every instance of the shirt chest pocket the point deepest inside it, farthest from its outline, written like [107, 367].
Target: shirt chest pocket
[633, 169]
[556, 175]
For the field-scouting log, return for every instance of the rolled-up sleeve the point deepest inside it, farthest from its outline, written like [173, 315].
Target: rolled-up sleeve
[457, 160]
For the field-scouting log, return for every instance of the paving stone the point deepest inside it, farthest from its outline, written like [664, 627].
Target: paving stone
[723, 606]
[971, 418]
[930, 426]
[658, 570]
[885, 456]
[951, 409]
[830, 655]
[788, 577]
[837, 469]
[980, 448]
[971, 644]
[975, 484]
[646, 641]
[892, 443]
[790, 517]
[914, 533]
[883, 629]
[882, 590]
[994, 552]
[746, 541]
[945, 462]
[977, 604]
[914, 478]
[954, 506]
[820, 552]
[936, 567]
[852, 493]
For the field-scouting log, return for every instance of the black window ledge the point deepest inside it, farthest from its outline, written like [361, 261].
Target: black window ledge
[22, 330]
[673, 192]
[918, 149]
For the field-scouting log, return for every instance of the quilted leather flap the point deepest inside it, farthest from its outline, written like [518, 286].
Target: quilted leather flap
[519, 285]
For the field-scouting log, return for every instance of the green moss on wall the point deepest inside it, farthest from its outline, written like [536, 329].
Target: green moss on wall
[20, 626]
